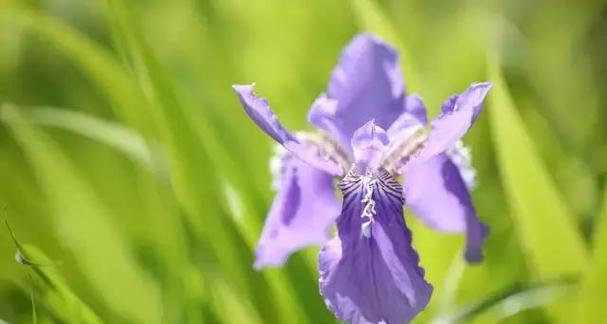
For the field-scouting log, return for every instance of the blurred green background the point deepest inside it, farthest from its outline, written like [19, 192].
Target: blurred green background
[137, 187]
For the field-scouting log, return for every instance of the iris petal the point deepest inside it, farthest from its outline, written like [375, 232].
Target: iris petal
[377, 277]
[304, 208]
[415, 106]
[369, 143]
[366, 84]
[259, 110]
[437, 194]
[458, 115]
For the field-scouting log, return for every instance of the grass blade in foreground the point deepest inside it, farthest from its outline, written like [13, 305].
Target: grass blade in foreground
[62, 301]
[193, 186]
[514, 300]
[191, 156]
[547, 232]
[88, 228]
[548, 235]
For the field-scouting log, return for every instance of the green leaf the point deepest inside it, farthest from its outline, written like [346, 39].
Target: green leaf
[546, 229]
[593, 295]
[119, 137]
[87, 228]
[58, 296]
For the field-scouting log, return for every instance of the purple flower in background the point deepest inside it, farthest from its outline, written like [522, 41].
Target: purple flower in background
[371, 132]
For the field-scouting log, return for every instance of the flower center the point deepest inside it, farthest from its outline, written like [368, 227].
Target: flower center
[371, 189]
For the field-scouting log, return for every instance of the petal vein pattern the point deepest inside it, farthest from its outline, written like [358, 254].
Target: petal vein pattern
[375, 278]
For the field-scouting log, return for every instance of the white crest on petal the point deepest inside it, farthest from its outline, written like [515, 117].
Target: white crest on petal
[368, 214]
[461, 156]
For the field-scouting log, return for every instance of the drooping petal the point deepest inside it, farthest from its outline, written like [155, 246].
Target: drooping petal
[369, 143]
[304, 208]
[259, 110]
[367, 84]
[437, 194]
[374, 276]
[458, 114]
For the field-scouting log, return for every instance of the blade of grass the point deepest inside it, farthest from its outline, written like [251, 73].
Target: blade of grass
[548, 235]
[593, 294]
[546, 230]
[195, 188]
[66, 304]
[87, 228]
[165, 225]
[187, 143]
[56, 293]
[510, 302]
[112, 134]
[34, 312]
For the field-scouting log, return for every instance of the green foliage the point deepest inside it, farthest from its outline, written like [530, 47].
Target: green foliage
[538, 210]
[150, 184]
[94, 238]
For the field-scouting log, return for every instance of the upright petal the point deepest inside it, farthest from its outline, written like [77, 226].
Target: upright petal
[409, 121]
[367, 84]
[304, 208]
[406, 134]
[374, 276]
[259, 110]
[437, 194]
[458, 114]
[322, 115]
[415, 106]
[369, 143]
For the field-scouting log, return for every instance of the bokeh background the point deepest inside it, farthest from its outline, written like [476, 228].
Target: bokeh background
[136, 186]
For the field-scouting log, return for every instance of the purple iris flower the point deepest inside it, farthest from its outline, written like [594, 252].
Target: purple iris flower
[371, 134]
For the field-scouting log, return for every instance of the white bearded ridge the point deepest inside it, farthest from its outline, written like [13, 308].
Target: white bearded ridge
[368, 183]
